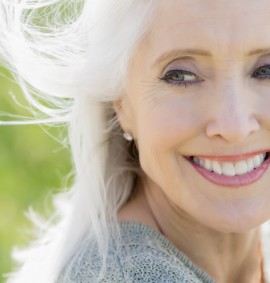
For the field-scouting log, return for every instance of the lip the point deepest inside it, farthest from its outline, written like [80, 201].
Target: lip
[232, 158]
[233, 181]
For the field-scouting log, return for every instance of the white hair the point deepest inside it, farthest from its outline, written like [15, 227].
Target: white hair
[71, 59]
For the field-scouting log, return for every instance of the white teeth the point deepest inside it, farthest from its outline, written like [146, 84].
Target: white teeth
[208, 165]
[250, 164]
[231, 168]
[228, 169]
[201, 162]
[216, 167]
[196, 160]
[241, 167]
[257, 161]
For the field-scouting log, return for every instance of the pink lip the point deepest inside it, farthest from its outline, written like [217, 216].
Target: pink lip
[232, 158]
[235, 181]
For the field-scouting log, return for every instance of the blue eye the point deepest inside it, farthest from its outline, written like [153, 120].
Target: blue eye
[262, 72]
[180, 77]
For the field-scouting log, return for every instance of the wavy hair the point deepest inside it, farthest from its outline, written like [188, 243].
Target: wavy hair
[71, 58]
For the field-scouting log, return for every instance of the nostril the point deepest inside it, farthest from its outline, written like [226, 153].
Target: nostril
[234, 132]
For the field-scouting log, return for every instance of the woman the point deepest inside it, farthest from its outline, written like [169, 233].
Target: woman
[170, 136]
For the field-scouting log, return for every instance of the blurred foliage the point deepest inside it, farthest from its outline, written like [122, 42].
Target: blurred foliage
[33, 165]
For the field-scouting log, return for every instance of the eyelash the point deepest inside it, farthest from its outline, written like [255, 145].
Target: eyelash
[167, 78]
[264, 77]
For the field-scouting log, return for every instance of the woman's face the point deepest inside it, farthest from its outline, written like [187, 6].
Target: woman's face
[199, 92]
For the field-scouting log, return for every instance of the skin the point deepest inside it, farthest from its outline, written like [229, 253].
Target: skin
[225, 111]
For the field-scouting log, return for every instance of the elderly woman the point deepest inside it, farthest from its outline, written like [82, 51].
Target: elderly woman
[170, 133]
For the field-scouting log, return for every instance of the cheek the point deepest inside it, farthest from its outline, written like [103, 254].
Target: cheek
[168, 124]
[263, 113]
[162, 129]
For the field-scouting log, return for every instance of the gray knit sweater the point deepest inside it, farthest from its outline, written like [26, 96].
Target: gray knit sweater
[141, 255]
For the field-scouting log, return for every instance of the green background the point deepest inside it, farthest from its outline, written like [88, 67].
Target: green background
[33, 165]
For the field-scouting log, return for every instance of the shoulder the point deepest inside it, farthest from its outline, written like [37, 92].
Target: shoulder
[87, 265]
[136, 254]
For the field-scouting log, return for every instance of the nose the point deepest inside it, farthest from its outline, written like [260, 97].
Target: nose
[232, 117]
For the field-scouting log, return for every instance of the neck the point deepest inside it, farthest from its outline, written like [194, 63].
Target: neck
[226, 257]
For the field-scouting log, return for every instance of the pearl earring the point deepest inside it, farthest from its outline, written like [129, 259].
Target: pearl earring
[128, 136]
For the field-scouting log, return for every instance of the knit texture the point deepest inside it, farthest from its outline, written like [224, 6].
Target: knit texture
[140, 255]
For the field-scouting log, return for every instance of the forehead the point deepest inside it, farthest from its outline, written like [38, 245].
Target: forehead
[216, 25]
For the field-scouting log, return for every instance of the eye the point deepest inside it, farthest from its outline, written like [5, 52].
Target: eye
[180, 77]
[262, 72]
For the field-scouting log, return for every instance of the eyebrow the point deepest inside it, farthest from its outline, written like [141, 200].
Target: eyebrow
[181, 53]
[200, 52]
[260, 51]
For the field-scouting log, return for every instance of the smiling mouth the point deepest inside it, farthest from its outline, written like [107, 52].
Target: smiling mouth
[231, 169]
[235, 171]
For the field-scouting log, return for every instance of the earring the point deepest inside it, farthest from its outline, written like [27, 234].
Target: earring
[128, 136]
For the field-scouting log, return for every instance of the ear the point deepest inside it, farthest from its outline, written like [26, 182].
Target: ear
[123, 112]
